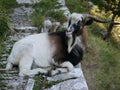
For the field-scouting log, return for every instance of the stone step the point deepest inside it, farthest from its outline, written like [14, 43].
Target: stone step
[30, 84]
[25, 28]
[27, 1]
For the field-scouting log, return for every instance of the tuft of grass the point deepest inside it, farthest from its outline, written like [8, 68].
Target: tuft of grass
[41, 10]
[75, 6]
[38, 19]
[5, 8]
[58, 16]
[45, 5]
[44, 9]
[7, 4]
[101, 64]
[4, 28]
[41, 83]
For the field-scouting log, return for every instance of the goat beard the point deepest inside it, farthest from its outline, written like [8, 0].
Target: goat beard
[71, 44]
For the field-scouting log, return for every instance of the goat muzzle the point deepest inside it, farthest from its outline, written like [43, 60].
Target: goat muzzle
[69, 33]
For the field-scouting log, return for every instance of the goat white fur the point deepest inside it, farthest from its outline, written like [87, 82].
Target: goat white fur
[39, 49]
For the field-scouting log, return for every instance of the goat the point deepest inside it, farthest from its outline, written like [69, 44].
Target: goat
[82, 20]
[47, 50]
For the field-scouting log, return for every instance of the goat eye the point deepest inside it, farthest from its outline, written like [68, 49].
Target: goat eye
[74, 25]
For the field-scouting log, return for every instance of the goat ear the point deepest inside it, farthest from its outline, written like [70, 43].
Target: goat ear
[88, 22]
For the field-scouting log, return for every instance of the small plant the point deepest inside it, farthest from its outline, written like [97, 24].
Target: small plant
[75, 6]
[41, 10]
[57, 15]
[41, 83]
[5, 8]
[7, 4]
[38, 19]
[46, 9]
[4, 28]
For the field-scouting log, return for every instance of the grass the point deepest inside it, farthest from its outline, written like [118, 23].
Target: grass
[4, 28]
[44, 10]
[5, 8]
[58, 16]
[41, 83]
[101, 65]
[75, 6]
[7, 5]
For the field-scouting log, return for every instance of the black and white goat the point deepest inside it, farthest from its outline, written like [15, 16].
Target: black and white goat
[46, 50]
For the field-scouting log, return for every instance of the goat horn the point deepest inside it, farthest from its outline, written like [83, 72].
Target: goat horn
[95, 19]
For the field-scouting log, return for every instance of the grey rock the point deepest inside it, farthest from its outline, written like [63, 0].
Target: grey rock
[73, 84]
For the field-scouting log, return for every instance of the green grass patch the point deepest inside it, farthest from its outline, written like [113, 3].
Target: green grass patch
[5, 8]
[57, 15]
[46, 9]
[41, 83]
[4, 28]
[104, 65]
[38, 19]
[7, 5]
[75, 6]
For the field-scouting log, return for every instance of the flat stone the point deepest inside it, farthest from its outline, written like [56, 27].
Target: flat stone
[76, 80]
[73, 84]
[27, 1]
[61, 2]
[76, 73]
[30, 84]
[25, 28]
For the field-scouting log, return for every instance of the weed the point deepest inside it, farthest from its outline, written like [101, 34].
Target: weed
[75, 6]
[103, 67]
[38, 19]
[41, 83]
[57, 15]
[4, 28]
[46, 9]
[7, 4]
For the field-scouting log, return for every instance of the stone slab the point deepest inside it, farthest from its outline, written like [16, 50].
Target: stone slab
[73, 84]
[76, 80]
